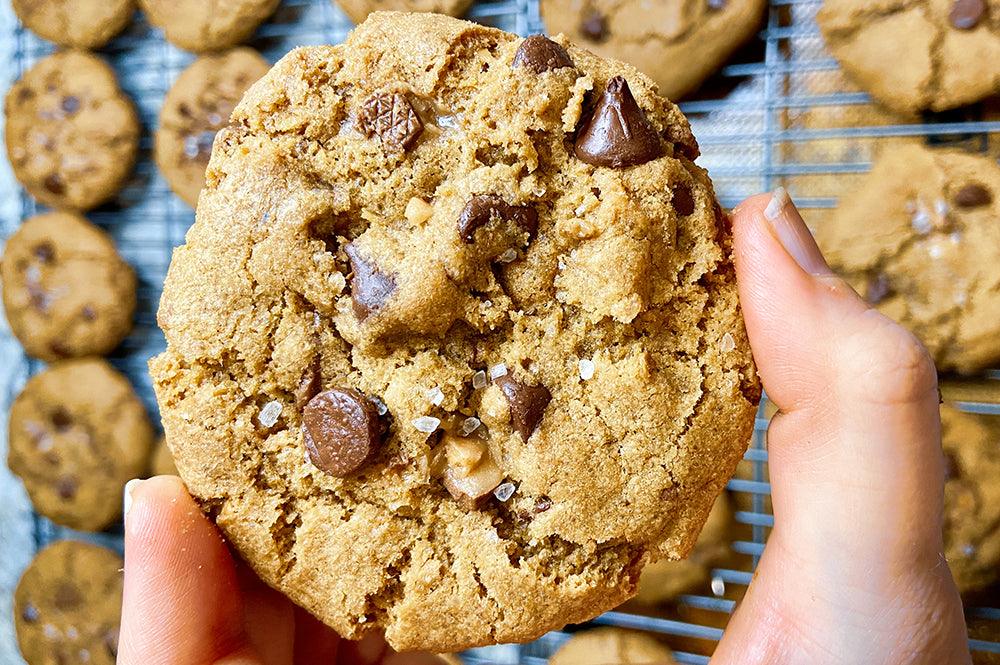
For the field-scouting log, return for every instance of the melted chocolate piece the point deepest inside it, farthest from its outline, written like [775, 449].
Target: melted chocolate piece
[370, 287]
[967, 14]
[683, 200]
[594, 26]
[44, 252]
[67, 597]
[392, 118]
[342, 430]
[527, 404]
[617, 133]
[61, 420]
[540, 54]
[484, 208]
[66, 487]
[973, 195]
[54, 183]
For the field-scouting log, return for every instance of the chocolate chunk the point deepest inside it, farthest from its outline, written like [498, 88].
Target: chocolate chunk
[967, 14]
[527, 404]
[67, 597]
[370, 287]
[594, 26]
[44, 252]
[392, 118]
[683, 200]
[540, 54]
[70, 104]
[30, 613]
[61, 420]
[617, 133]
[878, 289]
[951, 468]
[484, 208]
[341, 429]
[309, 385]
[716, 4]
[66, 486]
[973, 195]
[542, 504]
[54, 183]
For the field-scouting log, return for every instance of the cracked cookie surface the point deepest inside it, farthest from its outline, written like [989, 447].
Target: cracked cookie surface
[66, 291]
[207, 25]
[430, 368]
[67, 605]
[677, 43]
[72, 134]
[78, 433]
[75, 23]
[358, 10]
[914, 55]
[919, 239]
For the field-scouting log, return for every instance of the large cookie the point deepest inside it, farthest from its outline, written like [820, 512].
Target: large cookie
[68, 605]
[72, 134]
[358, 10]
[75, 23]
[915, 55]
[919, 238]
[612, 646]
[207, 25]
[451, 351]
[677, 43]
[78, 433]
[197, 105]
[66, 291]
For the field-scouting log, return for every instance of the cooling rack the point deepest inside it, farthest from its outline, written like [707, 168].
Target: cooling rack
[779, 113]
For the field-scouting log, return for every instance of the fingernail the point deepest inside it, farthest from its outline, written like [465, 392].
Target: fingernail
[793, 234]
[127, 496]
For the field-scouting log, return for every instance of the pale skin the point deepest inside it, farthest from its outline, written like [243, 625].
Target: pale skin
[853, 571]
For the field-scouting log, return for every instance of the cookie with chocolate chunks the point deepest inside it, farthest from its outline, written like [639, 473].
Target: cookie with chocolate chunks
[442, 302]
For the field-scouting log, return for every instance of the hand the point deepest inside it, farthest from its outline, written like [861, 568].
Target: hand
[853, 571]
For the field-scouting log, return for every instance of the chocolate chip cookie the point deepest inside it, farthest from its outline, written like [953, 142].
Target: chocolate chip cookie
[358, 10]
[207, 25]
[72, 134]
[612, 646]
[75, 23]
[920, 240]
[67, 606]
[196, 107]
[78, 433]
[971, 496]
[454, 345]
[919, 55]
[66, 291]
[677, 43]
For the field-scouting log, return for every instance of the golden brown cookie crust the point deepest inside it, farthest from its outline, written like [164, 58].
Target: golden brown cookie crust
[207, 25]
[482, 246]
[612, 646]
[75, 23]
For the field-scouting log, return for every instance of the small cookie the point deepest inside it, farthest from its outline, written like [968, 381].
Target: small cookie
[196, 107]
[920, 240]
[971, 497]
[358, 10]
[83, 24]
[987, 630]
[677, 43]
[200, 25]
[72, 134]
[67, 606]
[664, 580]
[78, 433]
[917, 55]
[162, 461]
[612, 646]
[66, 291]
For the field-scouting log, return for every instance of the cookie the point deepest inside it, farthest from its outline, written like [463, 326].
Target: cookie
[913, 56]
[83, 24]
[67, 606]
[987, 630]
[196, 107]
[405, 372]
[919, 240]
[358, 10]
[664, 580]
[72, 134]
[612, 646]
[78, 433]
[677, 43]
[200, 26]
[66, 291]
[162, 461]
[971, 496]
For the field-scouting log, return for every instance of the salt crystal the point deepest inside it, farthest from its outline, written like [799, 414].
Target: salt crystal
[487, 304]
[435, 396]
[586, 368]
[727, 343]
[447, 121]
[72, 633]
[718, 586]
[934, 251]
[921, 221]
[479, 380]
[504, 491]
[561, 264]
[580, 210]
[470, 425]
[508, 255]
[961, 298]
[269, 413]
[941, 207]
[955, 237]
[380, 406]
[968, 549]
[426, 424]
[50, 631]
[84, 656]
[497, 371]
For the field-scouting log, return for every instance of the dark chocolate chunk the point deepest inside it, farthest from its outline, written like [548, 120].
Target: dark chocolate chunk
[878, 288]
[973, 195]
[342, 430]
[370, 287]
[44, 252]
[683, 200]
[54, 183]
[70, 104]
[527, 404]
[30, 613]
[61, 420]
[594, 26]
[617, 133]
[540, 54]
[67, 597]
[66, 486]
[484, 208]
[392, 118]
[967, 14]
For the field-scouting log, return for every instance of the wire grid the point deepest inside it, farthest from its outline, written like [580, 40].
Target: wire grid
[745, 133]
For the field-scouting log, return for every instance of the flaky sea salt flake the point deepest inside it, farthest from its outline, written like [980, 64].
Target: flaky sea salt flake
[508, 255]
[470, 425]
[586, 368]
[269, 413]
[435, 396]
[497, 371]
[718, 586]
[426, 424]
[479, 380]
[504, 491]
[380, 406]
[727, 343]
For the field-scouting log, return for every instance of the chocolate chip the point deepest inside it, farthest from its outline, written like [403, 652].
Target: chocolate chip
[973, 195]
[683, 200]
[70, 104]
[30, 613]
[594, 26]
[54, 183]
[716, 5]
[66, 487]
[542, 504]
[484, 208]
[88, 313]
[617, 133]
[44, 252]
[67, 597]
[370, 287]
[61, 420]
[878, 289]
[540, 54]
[392, 118]
[966, 14]
[527, 404]
[951, 468]
[341, 429]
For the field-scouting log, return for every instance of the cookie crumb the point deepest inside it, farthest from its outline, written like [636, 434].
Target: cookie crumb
[269, 414]
[586, 369]
[426, 424]
[504, 491]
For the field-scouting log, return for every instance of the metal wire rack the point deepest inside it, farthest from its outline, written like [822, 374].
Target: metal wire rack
[755, 123]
